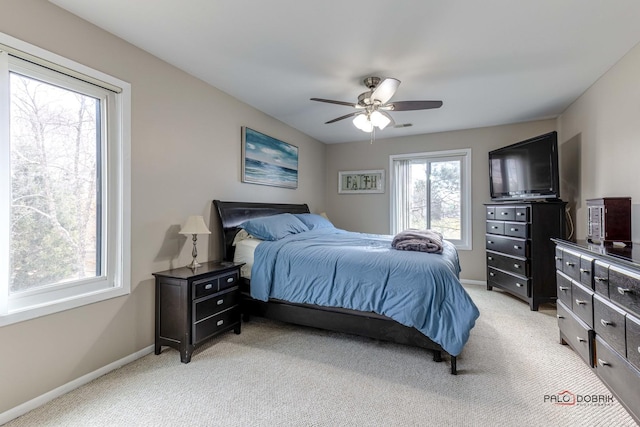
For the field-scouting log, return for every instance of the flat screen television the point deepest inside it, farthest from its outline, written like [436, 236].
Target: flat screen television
[525, 170]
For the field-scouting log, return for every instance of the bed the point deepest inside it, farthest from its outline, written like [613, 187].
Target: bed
[374, 320]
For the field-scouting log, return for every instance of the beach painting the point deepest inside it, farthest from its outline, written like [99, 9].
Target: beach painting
[268, 161]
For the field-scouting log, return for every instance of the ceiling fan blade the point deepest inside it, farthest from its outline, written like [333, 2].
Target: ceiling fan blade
[412, 105]
[330, 101]
[385, 90]
[346, 116]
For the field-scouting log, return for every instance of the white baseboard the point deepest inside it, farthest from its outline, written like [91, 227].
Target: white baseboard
[32, 404]
[473, 282]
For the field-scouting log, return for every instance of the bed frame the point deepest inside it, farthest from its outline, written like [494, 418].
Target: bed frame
[367, 324]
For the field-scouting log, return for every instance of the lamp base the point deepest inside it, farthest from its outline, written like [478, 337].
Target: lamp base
[194, 264]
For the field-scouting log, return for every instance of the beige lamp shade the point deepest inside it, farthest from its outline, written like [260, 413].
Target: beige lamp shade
[195, 225]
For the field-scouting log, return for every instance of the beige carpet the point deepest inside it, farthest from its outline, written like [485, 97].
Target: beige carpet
[281, 375]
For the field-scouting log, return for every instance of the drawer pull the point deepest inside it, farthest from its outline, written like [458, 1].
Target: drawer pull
[220, 302]
[230, 279]
[514, 229]
[495, 227]
[559, 316]
[580, 339]
[564, 288]
[520, 213]
[623, 291]
[570, 264]
[489, 241]
[516, 265]
[208, 286]
[600, 279]
[603, 363]
[581, 302]
[606, 323]
[558, 258]
[584, 270]
[220, 322]
[519, 285]
[491, 274]
[517, 247]
[490, 258]
[504, 213]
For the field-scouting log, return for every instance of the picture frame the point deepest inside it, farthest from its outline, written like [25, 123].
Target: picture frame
[268, 161]
[361, 182]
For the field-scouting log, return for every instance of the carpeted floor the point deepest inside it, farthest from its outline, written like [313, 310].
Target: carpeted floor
[281, 375]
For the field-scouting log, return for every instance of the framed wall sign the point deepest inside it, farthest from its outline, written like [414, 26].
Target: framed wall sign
[361, 182]
[268, 161]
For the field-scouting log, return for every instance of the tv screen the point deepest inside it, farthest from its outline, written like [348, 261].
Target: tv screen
[526, 169]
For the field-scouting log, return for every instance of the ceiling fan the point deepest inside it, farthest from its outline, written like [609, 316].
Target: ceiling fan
[373, 105]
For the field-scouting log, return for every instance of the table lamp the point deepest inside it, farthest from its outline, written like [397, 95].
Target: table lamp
[195, 225]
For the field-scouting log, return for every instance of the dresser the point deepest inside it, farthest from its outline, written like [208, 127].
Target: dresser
[599, 313]
[519, 251]
[193, 306]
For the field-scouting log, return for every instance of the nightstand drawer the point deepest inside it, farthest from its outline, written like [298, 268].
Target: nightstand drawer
[209, 306]
[578, 335]
[211, 325]
[608, 321]
[229, 280]
[204, 287]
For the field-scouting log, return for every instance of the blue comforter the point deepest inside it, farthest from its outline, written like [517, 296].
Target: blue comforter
[338, 268]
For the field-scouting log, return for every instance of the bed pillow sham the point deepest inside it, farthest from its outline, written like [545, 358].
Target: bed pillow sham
[274, 227]
[314, 221]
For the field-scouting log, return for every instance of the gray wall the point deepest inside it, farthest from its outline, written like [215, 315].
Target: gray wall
[185, 153]
[370, 213]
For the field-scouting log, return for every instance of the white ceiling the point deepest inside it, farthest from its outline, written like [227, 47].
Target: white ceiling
[491, 62]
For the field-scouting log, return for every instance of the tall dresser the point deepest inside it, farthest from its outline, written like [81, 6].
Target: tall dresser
[519, 250]
[599, 313]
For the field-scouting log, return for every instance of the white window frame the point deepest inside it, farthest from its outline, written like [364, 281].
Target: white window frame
[464, 156]
[115, 280]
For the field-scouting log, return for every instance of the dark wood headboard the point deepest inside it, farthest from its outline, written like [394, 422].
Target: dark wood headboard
[232, 214]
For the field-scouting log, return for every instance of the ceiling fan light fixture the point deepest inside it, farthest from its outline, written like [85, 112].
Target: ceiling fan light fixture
[362, 122]
[379, 120]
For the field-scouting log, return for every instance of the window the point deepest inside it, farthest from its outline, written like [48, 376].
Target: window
[433, 190]
[64, 183]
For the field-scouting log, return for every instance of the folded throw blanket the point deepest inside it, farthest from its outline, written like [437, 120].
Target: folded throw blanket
[418, 240]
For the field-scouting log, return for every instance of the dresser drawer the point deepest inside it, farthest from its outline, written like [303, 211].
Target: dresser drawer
[507, 245]
[578, 335]
[564, 288]
[510, 264]
[608, 321]
[216, 303]
[601, 278]
[510, 282]
[571, 264]
[624, 288]
[495, 227]
[619, 375]
[559, 257]
[633, 340]
[491, 212]
[582, 303]
[211, 325]
[522, 214]
[506, 213]
[516, 229]
[586, 271]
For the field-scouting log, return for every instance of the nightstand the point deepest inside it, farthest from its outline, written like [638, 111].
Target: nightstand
[193, 306]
